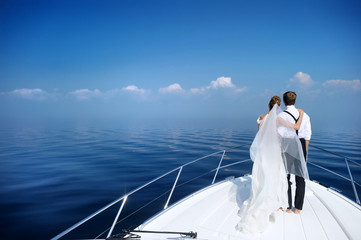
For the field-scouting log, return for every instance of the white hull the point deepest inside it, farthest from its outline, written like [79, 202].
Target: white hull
[212, 213]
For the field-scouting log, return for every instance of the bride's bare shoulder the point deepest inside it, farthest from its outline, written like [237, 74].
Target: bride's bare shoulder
[263, 116]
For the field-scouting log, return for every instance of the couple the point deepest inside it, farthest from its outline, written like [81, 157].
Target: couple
[278, 150]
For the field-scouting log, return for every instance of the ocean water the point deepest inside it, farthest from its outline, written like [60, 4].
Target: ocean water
[52, 178]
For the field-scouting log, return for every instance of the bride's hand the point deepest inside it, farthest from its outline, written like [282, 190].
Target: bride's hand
[301, 111]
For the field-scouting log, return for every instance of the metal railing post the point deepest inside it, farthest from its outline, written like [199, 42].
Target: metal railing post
[116, 218]
[219, 165]
[171, 192]
[352, 182]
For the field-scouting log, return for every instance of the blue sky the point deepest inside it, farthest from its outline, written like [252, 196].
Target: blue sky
[185, 63]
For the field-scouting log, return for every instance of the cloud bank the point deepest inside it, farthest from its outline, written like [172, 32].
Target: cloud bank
[305, 82]
[354, 85]
[32, 94]
[300, 79]
[86, 94]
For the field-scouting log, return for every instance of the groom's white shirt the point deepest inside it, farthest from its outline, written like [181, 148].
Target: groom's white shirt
[305, 128]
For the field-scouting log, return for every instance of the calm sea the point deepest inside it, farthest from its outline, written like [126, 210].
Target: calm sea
[52, 178]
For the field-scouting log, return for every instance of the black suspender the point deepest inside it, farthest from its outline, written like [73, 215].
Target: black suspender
[293, 118]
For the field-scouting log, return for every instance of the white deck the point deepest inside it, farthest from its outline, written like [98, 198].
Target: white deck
[212, 213]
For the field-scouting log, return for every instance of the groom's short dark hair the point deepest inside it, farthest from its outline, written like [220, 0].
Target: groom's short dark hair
[289, 98]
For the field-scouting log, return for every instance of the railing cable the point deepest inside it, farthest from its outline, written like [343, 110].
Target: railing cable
[335, 154]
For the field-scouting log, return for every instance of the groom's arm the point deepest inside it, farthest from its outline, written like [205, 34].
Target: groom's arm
[308, 131]
[307, 142]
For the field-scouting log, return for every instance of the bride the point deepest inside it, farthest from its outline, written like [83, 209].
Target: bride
[269, 173]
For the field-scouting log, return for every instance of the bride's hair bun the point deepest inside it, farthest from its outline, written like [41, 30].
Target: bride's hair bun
[273, 101]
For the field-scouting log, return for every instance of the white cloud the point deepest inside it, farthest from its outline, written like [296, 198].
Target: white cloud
[86, 94]
[174, 88]
[200, 90]
[221, 82]
[196, 90]
[301, 79]
[34, 94]
[241, 90]
[134, 89]
[354, 85]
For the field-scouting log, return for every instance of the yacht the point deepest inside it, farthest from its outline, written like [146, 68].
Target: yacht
[210, 213]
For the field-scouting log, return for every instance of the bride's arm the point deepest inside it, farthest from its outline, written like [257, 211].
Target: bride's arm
[299, 121]
[295, 126]
[260, 119]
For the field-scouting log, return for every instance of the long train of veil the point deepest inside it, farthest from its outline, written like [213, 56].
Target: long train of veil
[274, 156]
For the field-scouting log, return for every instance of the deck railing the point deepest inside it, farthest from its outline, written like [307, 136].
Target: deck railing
[124, 198]
[347, 160]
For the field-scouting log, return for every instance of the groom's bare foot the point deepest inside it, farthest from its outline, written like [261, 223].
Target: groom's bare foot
[297, 211]
[289, 210]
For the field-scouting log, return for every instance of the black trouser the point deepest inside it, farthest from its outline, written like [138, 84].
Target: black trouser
[300, 184]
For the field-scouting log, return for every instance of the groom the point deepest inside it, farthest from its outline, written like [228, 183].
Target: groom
[291, 115]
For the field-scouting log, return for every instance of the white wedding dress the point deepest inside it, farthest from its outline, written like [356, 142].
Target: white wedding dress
[269, 174]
